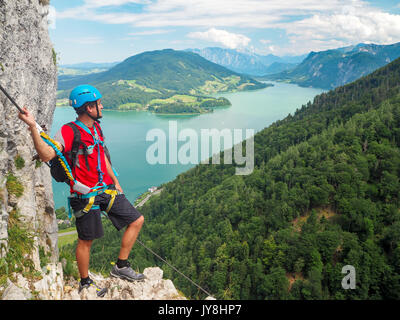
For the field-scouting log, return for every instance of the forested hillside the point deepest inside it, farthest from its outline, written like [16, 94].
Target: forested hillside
[324, 194]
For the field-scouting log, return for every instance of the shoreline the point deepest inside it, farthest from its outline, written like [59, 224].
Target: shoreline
[156, 113]
[268, 85]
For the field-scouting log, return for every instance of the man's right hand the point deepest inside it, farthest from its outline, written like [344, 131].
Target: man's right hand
[45, 152]
[27, 117]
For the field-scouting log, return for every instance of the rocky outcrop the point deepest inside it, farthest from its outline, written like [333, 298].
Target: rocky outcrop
[52, 287]
[154, 287]
[49, 287]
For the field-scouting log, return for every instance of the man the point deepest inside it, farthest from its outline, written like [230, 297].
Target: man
[92, 168]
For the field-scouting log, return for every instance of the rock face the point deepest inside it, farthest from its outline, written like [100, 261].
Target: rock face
[52, 287]
[154, 287]
[28, 72]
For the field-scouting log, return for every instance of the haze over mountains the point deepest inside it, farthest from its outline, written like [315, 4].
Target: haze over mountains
[247, 62]
[84, 68]
[332, 68]
[241, 62]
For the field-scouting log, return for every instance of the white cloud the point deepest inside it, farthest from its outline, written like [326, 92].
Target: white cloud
[348, 26]
[308, 24]
[227, 39]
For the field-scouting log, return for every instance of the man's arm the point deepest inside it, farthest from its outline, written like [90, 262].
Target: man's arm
[112, 175]
[45, 152]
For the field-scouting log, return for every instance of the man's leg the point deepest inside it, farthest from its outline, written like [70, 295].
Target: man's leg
[122, 268]
[121, 214]
[129, 238]
[83, 257]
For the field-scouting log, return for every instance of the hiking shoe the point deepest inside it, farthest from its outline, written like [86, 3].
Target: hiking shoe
[99, 291]
[126, 273]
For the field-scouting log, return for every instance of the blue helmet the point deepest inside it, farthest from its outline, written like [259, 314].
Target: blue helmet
[82, 94]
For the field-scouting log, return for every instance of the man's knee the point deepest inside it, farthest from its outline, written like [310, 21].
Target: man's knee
[85, 243]
[138, 222]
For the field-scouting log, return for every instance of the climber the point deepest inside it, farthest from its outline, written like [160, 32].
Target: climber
[92, 169]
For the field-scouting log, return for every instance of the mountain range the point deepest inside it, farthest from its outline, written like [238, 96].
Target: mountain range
[325, 69]
[248, 62]
[161, 77]
[332, 68]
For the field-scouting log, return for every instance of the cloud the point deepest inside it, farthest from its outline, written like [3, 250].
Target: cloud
[308, 24]
[348, 26]
[163, 13]
[227, 39]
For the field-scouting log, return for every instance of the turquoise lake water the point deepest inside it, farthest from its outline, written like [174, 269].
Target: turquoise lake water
[126, 133]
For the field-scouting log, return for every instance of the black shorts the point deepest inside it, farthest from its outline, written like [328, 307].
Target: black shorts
[90, 227]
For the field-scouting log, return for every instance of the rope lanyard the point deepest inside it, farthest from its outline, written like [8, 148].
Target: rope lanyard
[61, 158]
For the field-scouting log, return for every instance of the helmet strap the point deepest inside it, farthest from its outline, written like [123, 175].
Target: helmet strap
[98, 114]
[97, 109]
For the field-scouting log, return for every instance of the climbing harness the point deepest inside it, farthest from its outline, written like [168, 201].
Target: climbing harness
[92, 197]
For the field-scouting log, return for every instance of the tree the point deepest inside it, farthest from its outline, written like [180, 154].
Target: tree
[276, 285]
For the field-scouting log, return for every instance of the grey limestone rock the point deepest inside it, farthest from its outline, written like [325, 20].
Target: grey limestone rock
[29, 75]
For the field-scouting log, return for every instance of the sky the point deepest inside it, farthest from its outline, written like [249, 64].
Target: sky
[113, 30]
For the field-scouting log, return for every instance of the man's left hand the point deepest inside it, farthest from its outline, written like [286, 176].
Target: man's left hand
[118, 187]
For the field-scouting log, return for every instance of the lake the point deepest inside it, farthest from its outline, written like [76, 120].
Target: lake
[126, 133]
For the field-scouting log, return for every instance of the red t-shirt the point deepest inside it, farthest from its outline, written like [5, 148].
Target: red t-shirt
[80, 172]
